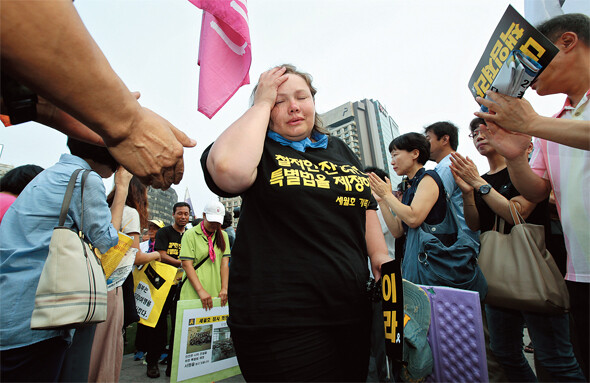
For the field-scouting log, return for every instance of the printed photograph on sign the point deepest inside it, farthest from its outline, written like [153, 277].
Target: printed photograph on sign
[199, 338]
[204, 351]
[223, 347]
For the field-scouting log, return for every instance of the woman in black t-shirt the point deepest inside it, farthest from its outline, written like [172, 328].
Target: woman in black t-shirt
[484, 197]
[298, 309]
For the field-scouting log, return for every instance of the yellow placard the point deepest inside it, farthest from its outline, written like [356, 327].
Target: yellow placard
[111, 259]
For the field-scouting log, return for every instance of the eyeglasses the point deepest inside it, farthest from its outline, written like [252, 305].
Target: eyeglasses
[475, 133]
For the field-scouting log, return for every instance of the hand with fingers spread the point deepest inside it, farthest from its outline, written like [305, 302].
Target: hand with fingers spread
[268, 85]
[511, 113]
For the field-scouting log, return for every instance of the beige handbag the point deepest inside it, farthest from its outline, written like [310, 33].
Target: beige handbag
[72, 288]
[520, 271]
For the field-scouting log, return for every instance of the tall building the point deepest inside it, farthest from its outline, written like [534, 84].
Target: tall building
[232, 205]
[161, 203]
[5, 168]
[367, 128]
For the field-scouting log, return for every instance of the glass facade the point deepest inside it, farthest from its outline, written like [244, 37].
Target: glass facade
[161, 203]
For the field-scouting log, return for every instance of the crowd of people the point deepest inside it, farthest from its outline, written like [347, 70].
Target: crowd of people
[311, 218]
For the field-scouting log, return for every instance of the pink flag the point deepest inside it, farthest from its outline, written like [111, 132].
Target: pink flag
[224, 52]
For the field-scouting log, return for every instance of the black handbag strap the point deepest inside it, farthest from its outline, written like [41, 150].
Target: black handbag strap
[68, 197]
[179, 287]
[196, 267]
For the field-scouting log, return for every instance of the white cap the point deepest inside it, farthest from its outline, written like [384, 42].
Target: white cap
[214, 211]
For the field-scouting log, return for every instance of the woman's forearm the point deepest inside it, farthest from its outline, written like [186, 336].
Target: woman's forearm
[470, 211]
[394, 224]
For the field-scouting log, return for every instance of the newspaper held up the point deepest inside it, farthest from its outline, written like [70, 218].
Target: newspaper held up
[516, 52]
[515, 76]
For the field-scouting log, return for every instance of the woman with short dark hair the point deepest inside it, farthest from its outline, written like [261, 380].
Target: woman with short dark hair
[424, 201]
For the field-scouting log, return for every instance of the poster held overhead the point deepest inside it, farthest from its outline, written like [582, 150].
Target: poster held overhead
[514, 56]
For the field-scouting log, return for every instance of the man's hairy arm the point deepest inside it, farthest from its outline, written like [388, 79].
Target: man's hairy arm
[46, 46]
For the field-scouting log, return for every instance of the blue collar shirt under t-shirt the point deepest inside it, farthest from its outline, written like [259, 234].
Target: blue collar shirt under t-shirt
[444, 171]
[321, 141]
[25, 234]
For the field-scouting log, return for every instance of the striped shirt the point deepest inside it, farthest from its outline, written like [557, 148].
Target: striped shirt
[568, 170]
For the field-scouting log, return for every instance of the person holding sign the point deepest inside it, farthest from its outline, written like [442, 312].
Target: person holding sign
[561, 159]
[204, 242]
[484, 198]
[299, 309]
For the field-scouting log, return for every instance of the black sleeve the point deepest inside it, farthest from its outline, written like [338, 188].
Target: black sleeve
[161, 240]
[208, 179]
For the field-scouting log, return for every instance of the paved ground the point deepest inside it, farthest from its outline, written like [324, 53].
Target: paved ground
[134, 371]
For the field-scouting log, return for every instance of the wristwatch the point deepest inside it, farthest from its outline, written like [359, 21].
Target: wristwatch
[484, 189]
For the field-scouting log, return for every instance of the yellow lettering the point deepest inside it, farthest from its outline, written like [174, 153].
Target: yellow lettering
[386, 288]
[531, 43]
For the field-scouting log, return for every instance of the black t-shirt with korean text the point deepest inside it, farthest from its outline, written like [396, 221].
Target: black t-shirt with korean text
[300, 255]
[168, 239]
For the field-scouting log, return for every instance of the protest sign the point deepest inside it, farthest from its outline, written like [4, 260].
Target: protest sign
[513, 34]
[203, 349]
[152, 283]
[393, 309]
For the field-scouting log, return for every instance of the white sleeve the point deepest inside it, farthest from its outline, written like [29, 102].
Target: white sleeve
[130, 222]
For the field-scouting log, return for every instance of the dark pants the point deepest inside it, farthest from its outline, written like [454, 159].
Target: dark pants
[378, 360]
[156, 338]
[39, 362]
[323, 354]
[77, 360]
[173, 307]
[551, 340]
[579, 300]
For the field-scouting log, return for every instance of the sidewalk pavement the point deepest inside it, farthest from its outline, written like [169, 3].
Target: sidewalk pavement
[134, 371]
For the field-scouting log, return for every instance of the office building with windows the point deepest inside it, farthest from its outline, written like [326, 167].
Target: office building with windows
[161, 203]
[367, 128]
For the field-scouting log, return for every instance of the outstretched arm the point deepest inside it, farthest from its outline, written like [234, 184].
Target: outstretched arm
[518, 115]
[46, 46]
